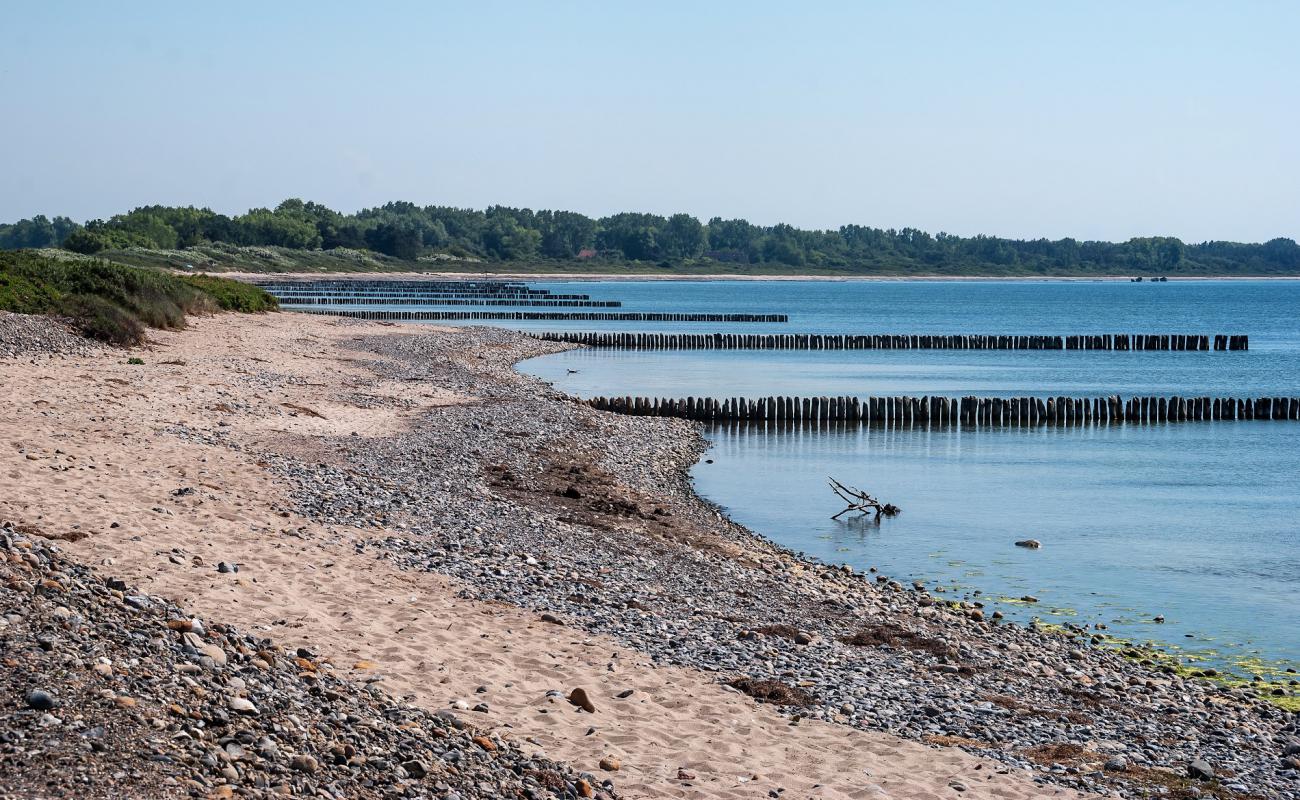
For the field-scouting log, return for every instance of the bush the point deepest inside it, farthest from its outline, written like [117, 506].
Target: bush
[101, 319]
[116, 303]
[234, 296]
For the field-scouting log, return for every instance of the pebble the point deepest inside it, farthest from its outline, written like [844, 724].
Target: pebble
[40, 700]
[305, 734]
[436, 500]
[578, 697]
[1201, 770]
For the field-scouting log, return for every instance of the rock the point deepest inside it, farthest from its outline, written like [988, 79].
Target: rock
[485, 743]
[610, 764]
[40, 700]
[1029, 598]
[802, 638]
[481, 708]
[1116, 764]
[304, 763]
[242, 705]
[683, 775]
[625, 694]
[1032, 544]
[416, 769]
[578, 697]
[1200, 770]
[1291, 748]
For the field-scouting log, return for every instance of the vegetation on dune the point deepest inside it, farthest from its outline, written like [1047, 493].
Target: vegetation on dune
[305, 235]
[113, 302]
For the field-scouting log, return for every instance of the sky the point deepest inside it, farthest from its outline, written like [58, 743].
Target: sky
[1096, 120]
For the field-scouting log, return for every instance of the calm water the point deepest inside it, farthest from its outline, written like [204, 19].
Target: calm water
[1197, 522]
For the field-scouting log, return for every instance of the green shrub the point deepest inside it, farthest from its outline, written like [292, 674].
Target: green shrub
[114, 302]
[135, 361]
[234, 296]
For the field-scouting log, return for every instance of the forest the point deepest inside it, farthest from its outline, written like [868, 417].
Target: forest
[500, 234]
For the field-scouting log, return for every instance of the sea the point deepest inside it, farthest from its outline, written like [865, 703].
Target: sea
[1181, 536]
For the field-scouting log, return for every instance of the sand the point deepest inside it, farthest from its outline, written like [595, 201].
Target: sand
[87, 454]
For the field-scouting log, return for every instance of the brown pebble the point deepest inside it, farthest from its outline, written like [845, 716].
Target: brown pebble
[485, 743]
[578, 697]
[610, 764]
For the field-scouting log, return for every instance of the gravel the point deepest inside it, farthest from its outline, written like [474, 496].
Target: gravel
[32, 336]
[108, 693]
[531, 498]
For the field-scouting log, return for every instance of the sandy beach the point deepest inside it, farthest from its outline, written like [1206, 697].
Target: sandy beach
[399, 501]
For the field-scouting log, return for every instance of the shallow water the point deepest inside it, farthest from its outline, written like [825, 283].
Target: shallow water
[1197, 522]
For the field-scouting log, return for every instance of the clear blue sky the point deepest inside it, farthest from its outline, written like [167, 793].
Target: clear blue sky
[1087, 119]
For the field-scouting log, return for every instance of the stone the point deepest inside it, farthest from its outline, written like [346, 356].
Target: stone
[242, 705]
[304, 763]
[610, 764]
[578, 697]
[1200, 770]
[40, 700]
[416, 769]
[625, 694]
[1115, 764]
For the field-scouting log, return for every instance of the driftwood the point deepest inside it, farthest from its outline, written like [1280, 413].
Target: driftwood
[861, 502]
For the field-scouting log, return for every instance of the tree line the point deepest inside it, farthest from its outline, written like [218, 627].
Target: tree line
[408, 232]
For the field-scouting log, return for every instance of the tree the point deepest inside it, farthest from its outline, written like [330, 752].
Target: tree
[682, 237]
[394, 239]
[506, 239]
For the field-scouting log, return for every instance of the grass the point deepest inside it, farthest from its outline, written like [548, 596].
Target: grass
[112, 302]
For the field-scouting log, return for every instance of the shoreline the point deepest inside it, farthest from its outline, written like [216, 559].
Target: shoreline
[401, 462]
[583, 277]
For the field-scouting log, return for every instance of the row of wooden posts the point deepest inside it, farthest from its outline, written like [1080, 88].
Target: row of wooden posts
[610, 316]
[813, 341]
[291, 295]
[381, 285]
[945, 411]
[486, 300]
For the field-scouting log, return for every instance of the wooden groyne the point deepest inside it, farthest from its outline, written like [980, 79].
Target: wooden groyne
[362, 300]
[400, 285]
[812, 341]
[611, 316]
[937, 411]
[431, 295]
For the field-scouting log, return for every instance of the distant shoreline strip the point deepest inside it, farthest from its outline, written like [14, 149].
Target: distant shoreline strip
[935, 411]
[1121, 342]
[595, 316]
